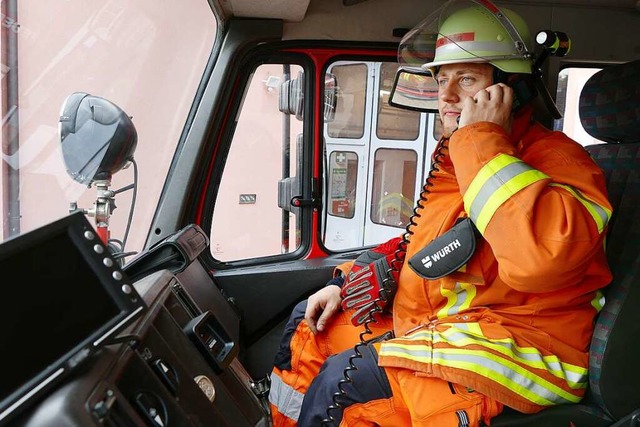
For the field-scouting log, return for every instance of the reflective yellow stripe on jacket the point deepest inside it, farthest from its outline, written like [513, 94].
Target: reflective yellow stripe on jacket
[600, 214]
[504, 176]
[495, 183]
[521, 369]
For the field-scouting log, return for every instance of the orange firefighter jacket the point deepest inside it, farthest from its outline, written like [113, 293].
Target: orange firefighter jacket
[516, 321]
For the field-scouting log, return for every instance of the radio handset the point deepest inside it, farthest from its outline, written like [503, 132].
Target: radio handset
[524, 90]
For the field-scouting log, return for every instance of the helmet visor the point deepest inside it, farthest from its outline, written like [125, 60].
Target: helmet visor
[463, 31]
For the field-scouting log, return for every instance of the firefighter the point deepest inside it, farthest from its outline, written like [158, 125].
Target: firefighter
[489, 299]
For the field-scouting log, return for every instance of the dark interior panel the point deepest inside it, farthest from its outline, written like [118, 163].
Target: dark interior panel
[156, 375]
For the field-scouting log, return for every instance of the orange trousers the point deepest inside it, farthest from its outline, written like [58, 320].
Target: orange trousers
[310, 371]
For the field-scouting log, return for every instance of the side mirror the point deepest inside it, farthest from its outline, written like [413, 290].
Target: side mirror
[414, 89]
[291, 99]
[97, 137]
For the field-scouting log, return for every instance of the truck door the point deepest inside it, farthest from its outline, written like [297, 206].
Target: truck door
[376, 157]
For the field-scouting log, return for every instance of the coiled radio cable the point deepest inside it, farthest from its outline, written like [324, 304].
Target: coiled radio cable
[388, 285]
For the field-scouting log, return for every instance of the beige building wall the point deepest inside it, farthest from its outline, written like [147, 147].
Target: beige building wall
[146, 56]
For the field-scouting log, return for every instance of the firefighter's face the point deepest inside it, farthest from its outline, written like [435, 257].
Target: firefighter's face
[457, 82]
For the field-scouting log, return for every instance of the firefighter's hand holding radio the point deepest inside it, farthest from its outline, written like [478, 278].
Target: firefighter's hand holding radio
[492, 104]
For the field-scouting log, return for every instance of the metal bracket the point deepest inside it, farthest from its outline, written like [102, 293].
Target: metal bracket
[261, 387]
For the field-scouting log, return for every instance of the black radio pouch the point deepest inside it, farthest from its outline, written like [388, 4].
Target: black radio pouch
[447, 253]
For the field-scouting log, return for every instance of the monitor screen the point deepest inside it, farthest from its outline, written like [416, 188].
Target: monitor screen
[63, 298]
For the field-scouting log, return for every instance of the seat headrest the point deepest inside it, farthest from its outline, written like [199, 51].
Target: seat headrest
[610, 104]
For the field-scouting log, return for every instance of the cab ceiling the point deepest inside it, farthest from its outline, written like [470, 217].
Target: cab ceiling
[295, 10]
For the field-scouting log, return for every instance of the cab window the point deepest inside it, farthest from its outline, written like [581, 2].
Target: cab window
[248, 219]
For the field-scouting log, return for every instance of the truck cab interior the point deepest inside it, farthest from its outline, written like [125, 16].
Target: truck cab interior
[193, 338]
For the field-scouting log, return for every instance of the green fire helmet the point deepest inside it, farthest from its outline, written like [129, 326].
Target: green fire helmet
[469, 31]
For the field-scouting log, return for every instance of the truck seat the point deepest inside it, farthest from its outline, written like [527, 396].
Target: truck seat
[609, 109]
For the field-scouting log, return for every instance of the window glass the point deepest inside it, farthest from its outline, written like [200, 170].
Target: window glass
[261, 171]
[350, 109]
[343, 175]
[371, 177]
[394, 178]
[571, 80]
[394, 123]
[141, 57]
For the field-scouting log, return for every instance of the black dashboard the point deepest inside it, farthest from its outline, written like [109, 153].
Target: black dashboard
[156, 377]
[175, 365]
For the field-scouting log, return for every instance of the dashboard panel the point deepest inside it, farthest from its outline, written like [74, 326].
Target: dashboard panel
[157, 373]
